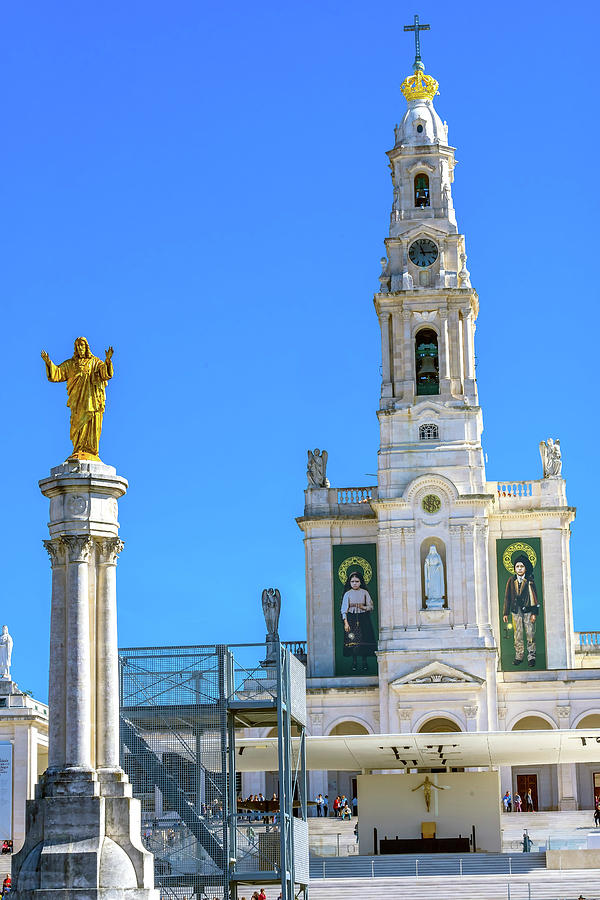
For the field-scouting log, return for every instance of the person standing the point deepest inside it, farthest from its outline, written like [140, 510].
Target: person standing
[529, 802]
[517, 802]
[597, 816]
[521, 603]
[320, 803]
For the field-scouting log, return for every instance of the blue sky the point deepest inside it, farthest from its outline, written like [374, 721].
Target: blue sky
[204, 186]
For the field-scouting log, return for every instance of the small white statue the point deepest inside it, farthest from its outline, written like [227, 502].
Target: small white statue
[551, 458]
[434, 579]
[6, 645]
[316, 469]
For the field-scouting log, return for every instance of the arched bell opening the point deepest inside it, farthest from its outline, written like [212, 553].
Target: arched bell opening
[427, 364]
[421, 190]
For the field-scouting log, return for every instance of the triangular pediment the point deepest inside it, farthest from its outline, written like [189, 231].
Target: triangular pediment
[437, 673]
[425, 228]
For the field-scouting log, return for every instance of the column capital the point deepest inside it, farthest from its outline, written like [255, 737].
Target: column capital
[471, 711]
[563, 712]
[78, 546]
[405, 712]
[56, 551]
[109, 549]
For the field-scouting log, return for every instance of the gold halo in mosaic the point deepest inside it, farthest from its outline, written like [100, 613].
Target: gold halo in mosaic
[355, 561]
[518, 546]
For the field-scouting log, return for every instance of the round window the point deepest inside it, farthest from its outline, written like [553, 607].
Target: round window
[420, 129]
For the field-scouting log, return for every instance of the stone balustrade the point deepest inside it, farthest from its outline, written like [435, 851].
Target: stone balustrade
[345, 501]
[587, 641]
[512, 495]
[356, 494]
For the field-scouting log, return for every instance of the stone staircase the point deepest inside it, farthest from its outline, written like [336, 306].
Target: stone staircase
[537, 886]
[5, 864]
[548, 830]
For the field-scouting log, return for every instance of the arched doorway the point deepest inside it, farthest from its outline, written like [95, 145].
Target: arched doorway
[438, 724]
[588, 774]
[542, 780]
[343, 783]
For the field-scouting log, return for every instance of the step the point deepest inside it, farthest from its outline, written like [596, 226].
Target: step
[484, 887]
[409, 865]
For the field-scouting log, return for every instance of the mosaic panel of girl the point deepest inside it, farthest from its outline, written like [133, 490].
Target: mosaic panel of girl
[356, 609]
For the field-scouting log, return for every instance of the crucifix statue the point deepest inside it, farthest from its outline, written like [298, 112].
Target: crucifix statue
[427, 785]
[417, 27]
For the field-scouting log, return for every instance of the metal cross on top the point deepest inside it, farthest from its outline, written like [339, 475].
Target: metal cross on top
[417, 27]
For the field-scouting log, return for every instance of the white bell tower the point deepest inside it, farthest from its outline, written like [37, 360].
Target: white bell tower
[429, 413]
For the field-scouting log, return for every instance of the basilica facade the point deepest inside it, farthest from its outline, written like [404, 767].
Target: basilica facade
[438, 600]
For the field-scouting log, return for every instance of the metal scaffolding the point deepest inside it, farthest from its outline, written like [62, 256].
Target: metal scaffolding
[181, 708]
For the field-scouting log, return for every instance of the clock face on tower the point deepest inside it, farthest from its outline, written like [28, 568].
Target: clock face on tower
[423, 252]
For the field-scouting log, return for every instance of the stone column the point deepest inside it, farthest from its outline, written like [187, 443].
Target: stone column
[405, 714]
[107, 659]
[57, 552]
[408, 359]
[78, 700]
[471, 717]
[444, 354]
[83, 829]
[454, 339]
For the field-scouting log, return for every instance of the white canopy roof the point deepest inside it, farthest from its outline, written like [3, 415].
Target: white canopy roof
[357, 752]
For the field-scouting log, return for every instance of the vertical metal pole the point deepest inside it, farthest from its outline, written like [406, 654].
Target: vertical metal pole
[510, 865]
[372, 868]
[529, 890]
[221, 651]
[460, 861]
[338, 843]
[231, 779]
[416, 868]
[285, 773]
[507, 891]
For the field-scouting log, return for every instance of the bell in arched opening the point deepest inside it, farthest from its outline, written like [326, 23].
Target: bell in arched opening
[421, 190]
[427, 362]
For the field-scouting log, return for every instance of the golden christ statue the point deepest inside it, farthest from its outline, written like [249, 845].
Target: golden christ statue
[86, 378]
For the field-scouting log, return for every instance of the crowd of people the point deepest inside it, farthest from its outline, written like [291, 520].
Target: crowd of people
[342, 808]
[516, 803]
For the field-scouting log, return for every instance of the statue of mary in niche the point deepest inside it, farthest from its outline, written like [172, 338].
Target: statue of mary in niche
[434, 579]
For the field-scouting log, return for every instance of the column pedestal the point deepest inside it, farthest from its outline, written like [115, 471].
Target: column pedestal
[83, 830]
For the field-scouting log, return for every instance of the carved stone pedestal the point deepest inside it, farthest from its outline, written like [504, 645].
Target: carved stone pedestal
[83, 830]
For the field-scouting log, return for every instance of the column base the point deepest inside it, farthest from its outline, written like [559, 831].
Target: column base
[83, 841]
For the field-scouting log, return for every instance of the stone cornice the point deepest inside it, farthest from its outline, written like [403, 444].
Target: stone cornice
[304, 521]
[332, 691]
[545, 512]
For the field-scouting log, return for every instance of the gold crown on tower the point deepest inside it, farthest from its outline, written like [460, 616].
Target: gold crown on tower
[419, 86]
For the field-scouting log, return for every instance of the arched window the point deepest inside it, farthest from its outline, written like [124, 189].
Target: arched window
[428, 432]
[426, 362]
[421, 190]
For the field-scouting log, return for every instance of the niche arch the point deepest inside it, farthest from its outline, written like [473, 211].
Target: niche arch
[533, 721]
[440, 546]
